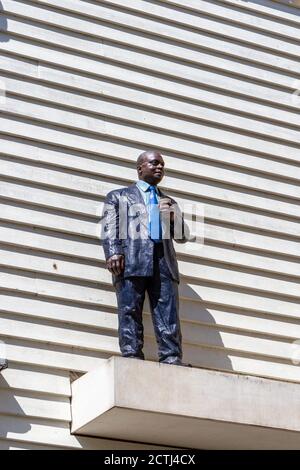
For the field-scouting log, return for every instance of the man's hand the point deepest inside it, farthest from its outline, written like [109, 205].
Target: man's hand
[166, 206]
[116, 264]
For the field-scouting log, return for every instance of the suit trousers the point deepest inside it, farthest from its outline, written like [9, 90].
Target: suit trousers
[164, 303]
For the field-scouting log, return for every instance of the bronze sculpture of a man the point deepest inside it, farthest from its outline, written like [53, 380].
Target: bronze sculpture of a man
[139, 225]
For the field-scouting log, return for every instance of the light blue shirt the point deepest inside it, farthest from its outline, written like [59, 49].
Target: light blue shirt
[143, 187]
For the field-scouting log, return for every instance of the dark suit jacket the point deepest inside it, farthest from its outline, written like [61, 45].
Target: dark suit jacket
[138, 252]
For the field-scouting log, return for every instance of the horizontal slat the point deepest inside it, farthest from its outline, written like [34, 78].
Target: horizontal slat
[194, 103]
[61, 312]
[268, 324]
[285, 13]
[249, 302]
[65, 336]
[52, 221]
[8, 444]
[202, 336]
[31, 238]
[36, 406]
[216, 11]
[81, 184]
[205, 252]
[17, 65]
[227, 361]
[34, 431]
[35, 379]
[243, 321]
[192, 333]
[96, 274]
[31, 352]
[36, 151]
[164, 30]
[100, 444]
[51, 356]
[27, 129]
[180, 90]
[142, 64]
[167, 19]
[202, 110]
[28, 235]
[177, 165]
[92, 188]
[14, 191]
[236, 237]
[222, 65]
[125, 92]
[212, 212]
[49, 242]
[38, 263]
[218, 294]
[89, 104]
[237, 278]
[115, 152]
[132, 116]
[92, 229]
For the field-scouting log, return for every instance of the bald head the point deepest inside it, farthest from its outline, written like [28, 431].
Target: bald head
[143, 156]
[150, 166]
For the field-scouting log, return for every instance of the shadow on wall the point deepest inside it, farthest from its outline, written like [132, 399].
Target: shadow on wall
[9, 410]
[3, 25]
[281, 5]
[211, 352]
[201, 339]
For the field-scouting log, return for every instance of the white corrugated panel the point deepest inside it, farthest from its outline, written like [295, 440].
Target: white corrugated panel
[89, 85]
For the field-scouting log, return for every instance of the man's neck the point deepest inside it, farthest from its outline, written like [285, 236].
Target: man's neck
[148, 182]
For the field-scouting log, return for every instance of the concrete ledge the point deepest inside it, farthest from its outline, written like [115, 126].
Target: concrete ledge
[184, 407]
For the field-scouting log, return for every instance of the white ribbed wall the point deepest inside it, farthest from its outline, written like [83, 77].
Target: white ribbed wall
[90, 84]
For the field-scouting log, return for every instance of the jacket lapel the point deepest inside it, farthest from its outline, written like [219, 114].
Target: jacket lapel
[135, 198]
[134, 195]
[161, 194]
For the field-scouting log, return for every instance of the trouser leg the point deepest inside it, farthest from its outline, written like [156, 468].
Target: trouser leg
[164, 303]
[130, 296]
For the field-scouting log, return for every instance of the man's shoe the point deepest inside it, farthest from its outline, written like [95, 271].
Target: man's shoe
[135, 357]
[177, 363]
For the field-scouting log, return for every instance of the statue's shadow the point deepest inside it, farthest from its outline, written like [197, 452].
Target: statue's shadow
[201, 336]
[202, 341]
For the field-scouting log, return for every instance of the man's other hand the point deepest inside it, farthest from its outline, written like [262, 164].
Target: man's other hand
[166, 206]
[116, 264]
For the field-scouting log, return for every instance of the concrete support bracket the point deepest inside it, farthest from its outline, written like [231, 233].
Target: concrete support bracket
[143, 401]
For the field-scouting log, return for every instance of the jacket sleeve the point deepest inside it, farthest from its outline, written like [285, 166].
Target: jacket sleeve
[180, 231]
[110, 241]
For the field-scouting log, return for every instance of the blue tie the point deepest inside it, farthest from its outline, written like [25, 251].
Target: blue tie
[155, 228]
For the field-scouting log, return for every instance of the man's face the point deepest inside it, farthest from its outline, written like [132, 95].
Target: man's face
[152, 169]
